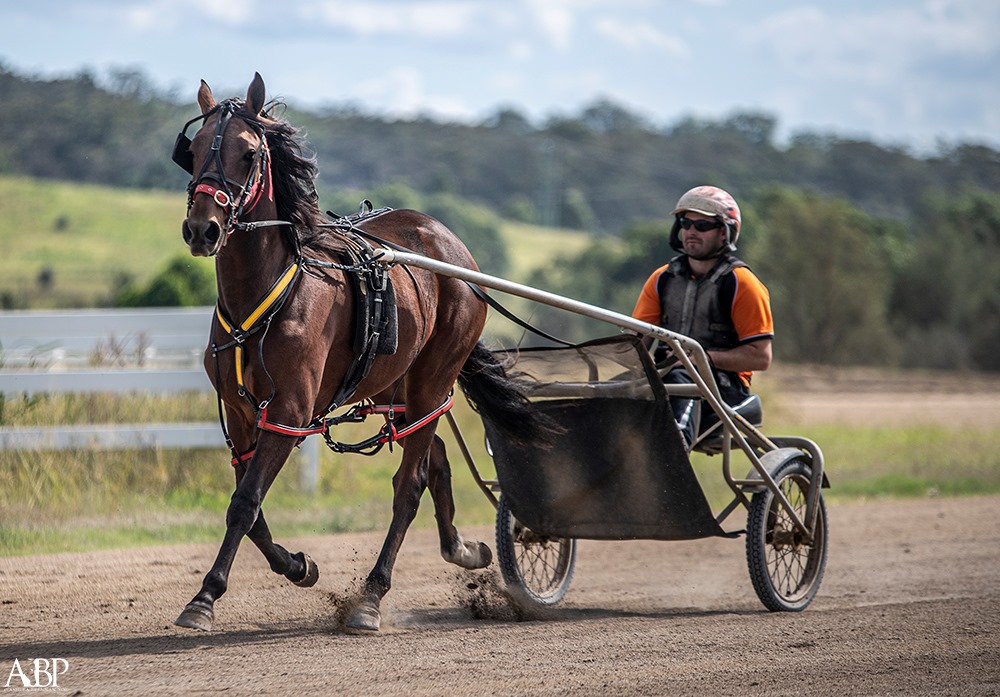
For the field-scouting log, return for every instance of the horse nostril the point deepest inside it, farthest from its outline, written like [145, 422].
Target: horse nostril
[201, 236]
[213, 233]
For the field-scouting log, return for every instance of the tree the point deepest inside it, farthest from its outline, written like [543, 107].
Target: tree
[604, 116]
[576, 212]
[477, 226]
[825, 265]
[945, 300]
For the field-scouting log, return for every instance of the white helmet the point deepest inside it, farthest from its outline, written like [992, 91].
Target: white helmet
[708, 200]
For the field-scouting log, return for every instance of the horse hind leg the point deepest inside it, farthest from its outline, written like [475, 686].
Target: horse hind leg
[467, 554]
[408, 485]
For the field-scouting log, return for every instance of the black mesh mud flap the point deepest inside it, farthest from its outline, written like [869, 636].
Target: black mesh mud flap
[618, 472]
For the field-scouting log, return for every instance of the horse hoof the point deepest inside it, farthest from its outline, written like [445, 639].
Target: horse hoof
[365, 618]
[485, 555]
[470, 555]
[312, 573]
[196, 616]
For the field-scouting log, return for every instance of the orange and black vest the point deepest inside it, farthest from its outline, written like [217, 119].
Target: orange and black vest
[700, 308]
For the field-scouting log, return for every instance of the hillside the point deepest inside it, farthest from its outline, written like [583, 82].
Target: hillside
[71, 245]
[600, 169]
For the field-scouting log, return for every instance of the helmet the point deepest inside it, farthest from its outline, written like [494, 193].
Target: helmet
[708, 200]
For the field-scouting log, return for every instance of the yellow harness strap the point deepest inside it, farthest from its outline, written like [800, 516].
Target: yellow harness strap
[277, 291]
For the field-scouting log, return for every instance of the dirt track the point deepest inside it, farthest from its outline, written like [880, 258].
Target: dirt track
[910, 605]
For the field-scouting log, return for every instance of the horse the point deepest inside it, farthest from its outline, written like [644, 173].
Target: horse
[282, 350]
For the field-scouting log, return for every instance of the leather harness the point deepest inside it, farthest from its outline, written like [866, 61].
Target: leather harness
[374, 298]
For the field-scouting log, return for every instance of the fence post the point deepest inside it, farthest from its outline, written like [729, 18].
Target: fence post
[309, 464]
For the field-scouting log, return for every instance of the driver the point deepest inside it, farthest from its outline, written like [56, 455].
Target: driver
[708, 294]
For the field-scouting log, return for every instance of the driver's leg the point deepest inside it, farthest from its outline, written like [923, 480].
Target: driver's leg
[684, 409]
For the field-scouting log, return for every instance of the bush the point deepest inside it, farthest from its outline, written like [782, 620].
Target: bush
[183, 283]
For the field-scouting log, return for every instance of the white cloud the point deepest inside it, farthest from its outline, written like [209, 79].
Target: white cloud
[520, 51]
[440, 18]
[556, 22]
[898, 69]
[878, 46]
[637, 36]
[403, 91]
[184, 15]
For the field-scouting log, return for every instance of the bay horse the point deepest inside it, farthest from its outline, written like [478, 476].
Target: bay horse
[282, 352]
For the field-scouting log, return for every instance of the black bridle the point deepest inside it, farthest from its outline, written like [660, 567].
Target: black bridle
[250, 190]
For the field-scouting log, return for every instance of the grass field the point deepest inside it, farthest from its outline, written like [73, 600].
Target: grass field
[70, 245]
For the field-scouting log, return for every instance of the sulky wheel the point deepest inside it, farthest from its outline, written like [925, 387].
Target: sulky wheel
[538, 569]
[785, 570]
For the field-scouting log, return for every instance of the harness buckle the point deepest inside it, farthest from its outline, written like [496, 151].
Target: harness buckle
[222, 198]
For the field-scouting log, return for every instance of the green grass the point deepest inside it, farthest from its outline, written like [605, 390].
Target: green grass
[885, 462]
[53, 502]
[86, 238]
[80, 500]
[530, 247]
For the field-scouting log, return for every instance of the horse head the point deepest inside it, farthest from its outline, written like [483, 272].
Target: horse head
[229, 164]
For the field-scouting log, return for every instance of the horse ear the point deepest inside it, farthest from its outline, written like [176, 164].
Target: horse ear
[255, 95]
[205, 99]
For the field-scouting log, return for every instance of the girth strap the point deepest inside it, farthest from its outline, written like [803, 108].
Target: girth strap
[388, 434]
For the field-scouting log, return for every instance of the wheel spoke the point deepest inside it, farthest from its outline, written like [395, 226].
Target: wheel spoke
[785, 570]
[540, 567]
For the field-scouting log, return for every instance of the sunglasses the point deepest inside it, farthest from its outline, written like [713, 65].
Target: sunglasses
[700, 225]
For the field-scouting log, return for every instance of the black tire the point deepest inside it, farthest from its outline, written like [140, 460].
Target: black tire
[785, 570]
[535, 568]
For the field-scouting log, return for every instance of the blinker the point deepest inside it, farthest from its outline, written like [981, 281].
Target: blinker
[182, 154]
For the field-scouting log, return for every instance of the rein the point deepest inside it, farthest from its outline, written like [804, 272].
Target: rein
[250, 191]
[259, 320]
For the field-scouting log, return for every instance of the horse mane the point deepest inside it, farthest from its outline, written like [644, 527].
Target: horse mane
[293, 176]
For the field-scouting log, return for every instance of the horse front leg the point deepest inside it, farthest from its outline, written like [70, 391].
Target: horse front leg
[299, 568]
[242, 515]
[408, 485]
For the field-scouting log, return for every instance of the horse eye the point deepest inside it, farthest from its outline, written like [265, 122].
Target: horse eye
[250, 154]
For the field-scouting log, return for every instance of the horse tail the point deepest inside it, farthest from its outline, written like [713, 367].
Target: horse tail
[496, 397]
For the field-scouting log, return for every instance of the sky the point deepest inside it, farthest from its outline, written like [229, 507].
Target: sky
[907, 73]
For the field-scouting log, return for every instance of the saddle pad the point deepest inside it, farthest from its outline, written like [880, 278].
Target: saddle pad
[365, 300]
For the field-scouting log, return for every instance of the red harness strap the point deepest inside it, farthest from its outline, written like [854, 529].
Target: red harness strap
[265, 425]
[218, 195]
[387, 434]
[391, 435]
[237, 459]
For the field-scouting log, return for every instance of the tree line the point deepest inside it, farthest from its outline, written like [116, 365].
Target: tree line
[846, 287]
[873, 253]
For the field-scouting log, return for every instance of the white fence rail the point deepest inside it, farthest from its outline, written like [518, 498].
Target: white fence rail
[69, 351]
[64, 339]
